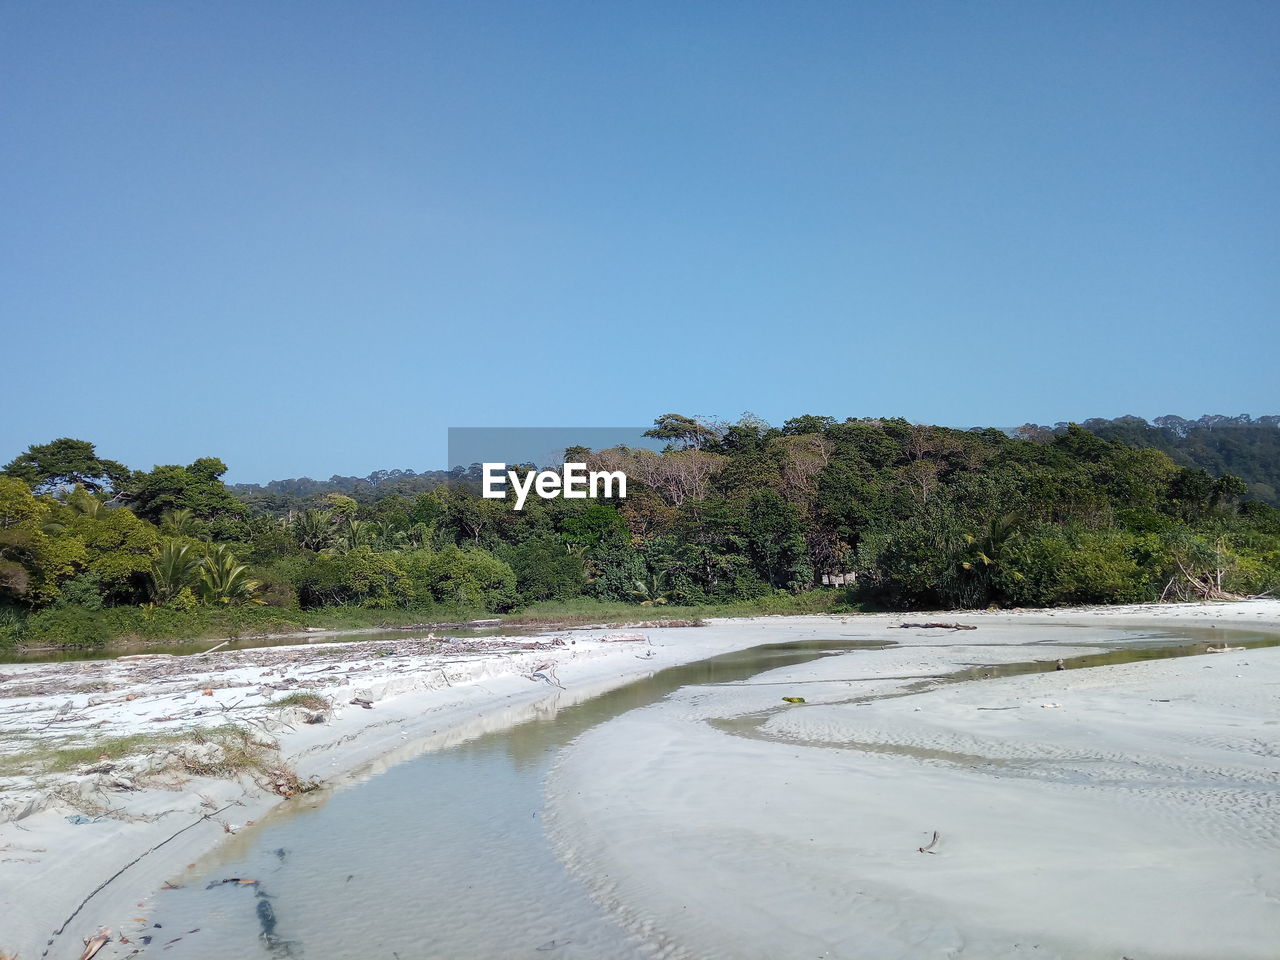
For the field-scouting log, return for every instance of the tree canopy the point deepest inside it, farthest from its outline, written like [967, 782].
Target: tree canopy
[894, 514]
[64, 463]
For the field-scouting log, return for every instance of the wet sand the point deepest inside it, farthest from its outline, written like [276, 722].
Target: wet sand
[1119, 811]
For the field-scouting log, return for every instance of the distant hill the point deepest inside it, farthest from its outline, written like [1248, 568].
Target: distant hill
[1242, 446]
[381, 483]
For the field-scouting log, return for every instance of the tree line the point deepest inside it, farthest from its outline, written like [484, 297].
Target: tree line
[894, 514]
[1242, 446]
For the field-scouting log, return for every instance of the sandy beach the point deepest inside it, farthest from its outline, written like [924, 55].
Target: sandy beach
[80, 848]
[1115, 811]
[1119, 811]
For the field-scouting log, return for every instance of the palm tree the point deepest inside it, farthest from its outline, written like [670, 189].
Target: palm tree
[83, 502]
[172, 570]
[354, 533]
[977, 558]
[650, 590]
[179, 522]
[313, 529]
[388, 536]
[224, 579]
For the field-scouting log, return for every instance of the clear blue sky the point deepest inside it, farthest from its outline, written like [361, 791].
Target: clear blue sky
[309, 237]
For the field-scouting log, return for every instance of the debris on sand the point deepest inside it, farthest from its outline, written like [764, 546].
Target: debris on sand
[93, 945]
[546, 672]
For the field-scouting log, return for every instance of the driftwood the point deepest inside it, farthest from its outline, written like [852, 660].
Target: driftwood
[93, 946]
[936, 625]
[545, 672]
[454, 625]
[211, 649]
[1188, 584]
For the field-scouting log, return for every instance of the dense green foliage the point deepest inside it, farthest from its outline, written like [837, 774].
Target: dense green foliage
[1240, 446]
[889, 513]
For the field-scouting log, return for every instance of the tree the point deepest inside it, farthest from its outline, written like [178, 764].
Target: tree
[546, 570]
[197, 487]
[65, 462]
[775, 541]
[685, 433]
[799, 426]
[178, 523]
[224, 579]
[356, 576]
[36, 553]
[313, 529]
[118, 546]
[341, 506]
[471, 578]
[649, 589]
[1081, 444]
[612, 570]
[678, 475]
[175, 568]
[81, 501]
[354, 533]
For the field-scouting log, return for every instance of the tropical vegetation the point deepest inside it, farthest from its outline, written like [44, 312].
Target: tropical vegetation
[872, 512]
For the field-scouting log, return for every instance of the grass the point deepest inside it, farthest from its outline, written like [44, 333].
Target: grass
[307, 700]
[75, 627]
[53, 758]
[237, 751]
[242, 753]
[584, 610]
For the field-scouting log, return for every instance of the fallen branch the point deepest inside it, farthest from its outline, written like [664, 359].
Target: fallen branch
[547, 673]
[936, 625]
[211, 649]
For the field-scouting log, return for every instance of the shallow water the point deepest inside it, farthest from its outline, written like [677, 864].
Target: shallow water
[441, 856]
[1185, 642]
[445, 855]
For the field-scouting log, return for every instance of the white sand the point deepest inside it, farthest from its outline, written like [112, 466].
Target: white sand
[725, 844]
[1122, 811]
[423, 701]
